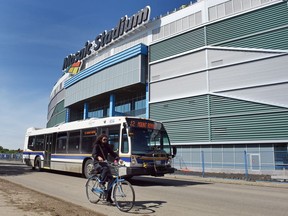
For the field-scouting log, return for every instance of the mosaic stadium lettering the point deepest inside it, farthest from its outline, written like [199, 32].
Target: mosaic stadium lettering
[125, 25]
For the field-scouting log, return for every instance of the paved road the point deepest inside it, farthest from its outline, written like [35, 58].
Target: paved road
[172, 195]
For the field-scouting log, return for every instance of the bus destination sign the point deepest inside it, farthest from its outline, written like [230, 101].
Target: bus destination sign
[141, 124]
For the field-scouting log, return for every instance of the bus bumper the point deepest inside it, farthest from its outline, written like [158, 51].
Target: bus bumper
[159, 171]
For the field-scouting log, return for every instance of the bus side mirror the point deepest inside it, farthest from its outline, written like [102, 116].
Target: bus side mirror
[174, 151]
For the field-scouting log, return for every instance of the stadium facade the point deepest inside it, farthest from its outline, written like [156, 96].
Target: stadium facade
[213, 71]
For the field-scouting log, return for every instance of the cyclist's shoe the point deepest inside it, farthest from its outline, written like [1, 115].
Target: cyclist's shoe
[109, 200]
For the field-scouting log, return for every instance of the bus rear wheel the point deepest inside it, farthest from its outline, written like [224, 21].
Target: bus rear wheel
[88, 167]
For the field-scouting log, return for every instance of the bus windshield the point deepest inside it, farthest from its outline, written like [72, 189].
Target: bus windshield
[145, 141]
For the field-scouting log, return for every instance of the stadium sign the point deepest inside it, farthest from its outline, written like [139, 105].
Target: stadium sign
[124, 26]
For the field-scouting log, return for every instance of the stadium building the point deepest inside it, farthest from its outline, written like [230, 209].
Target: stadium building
[213, 71]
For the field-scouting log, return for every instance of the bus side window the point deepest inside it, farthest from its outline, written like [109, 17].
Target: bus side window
[88, 138]
[39, 143]
[31, 143]
[61, 143]
[74, 142]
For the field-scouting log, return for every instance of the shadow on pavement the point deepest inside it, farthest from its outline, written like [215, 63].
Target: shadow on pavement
[156, 181]
[146, 207]
[13, 168]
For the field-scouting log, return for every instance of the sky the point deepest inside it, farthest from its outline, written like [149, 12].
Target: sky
[35, 37]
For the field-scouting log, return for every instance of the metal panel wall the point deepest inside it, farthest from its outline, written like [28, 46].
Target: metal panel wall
[56, 100]
[121, 75]
[178, 66]
[217, 57]
[184, 86]
[252, 74]
[270, 94]
[58, 115]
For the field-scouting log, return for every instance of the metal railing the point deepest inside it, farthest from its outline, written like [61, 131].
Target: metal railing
[243, 162]
[11, 157]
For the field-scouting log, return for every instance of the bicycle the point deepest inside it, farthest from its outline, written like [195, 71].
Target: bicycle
[122, 191]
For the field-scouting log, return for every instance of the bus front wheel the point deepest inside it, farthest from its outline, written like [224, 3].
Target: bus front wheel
[37, 164]
[88, 167]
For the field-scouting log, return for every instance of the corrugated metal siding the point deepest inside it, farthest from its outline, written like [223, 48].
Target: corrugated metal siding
[195, 130]
[192, 120]
[177, 45]
[185, 119]
[249, 23]
[263, 41]
[266, 126]
[237, 120]
[193, 107]
[228, 106]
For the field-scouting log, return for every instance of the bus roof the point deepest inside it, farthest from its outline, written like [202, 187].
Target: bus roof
[81, 124]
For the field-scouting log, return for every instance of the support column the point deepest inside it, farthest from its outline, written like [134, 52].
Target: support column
[147, 100]
[85, 111]
[112, 105]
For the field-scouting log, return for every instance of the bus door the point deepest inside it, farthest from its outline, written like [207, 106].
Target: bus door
[113, 133]
[48, 148]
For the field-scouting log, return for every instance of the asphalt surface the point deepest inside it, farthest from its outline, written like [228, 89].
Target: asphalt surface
[11, 168]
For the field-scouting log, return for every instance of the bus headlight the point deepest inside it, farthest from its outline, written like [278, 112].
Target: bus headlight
[169, 161]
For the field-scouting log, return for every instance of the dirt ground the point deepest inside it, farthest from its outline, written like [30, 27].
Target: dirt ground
[19, 200]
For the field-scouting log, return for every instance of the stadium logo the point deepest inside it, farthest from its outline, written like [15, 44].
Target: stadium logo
[74, 68]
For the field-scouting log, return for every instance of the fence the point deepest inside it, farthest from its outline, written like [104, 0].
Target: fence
[11, 157]
[243, 162]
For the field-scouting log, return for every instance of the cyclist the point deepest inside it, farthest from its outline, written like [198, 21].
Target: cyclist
[100, 153]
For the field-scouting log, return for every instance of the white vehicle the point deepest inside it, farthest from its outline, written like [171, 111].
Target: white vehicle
[142, 144]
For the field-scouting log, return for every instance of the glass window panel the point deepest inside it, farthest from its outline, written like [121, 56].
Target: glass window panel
[31, 143]
[88, 138]
[39, 143]
[74, 142]
[61, 143]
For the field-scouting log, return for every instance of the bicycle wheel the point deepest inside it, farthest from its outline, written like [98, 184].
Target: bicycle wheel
[124, 195]
[93, 190]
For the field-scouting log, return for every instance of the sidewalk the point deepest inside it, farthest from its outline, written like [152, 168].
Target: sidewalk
[227, 181]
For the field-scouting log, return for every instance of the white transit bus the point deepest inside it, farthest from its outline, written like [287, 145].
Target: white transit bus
[142, 144]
